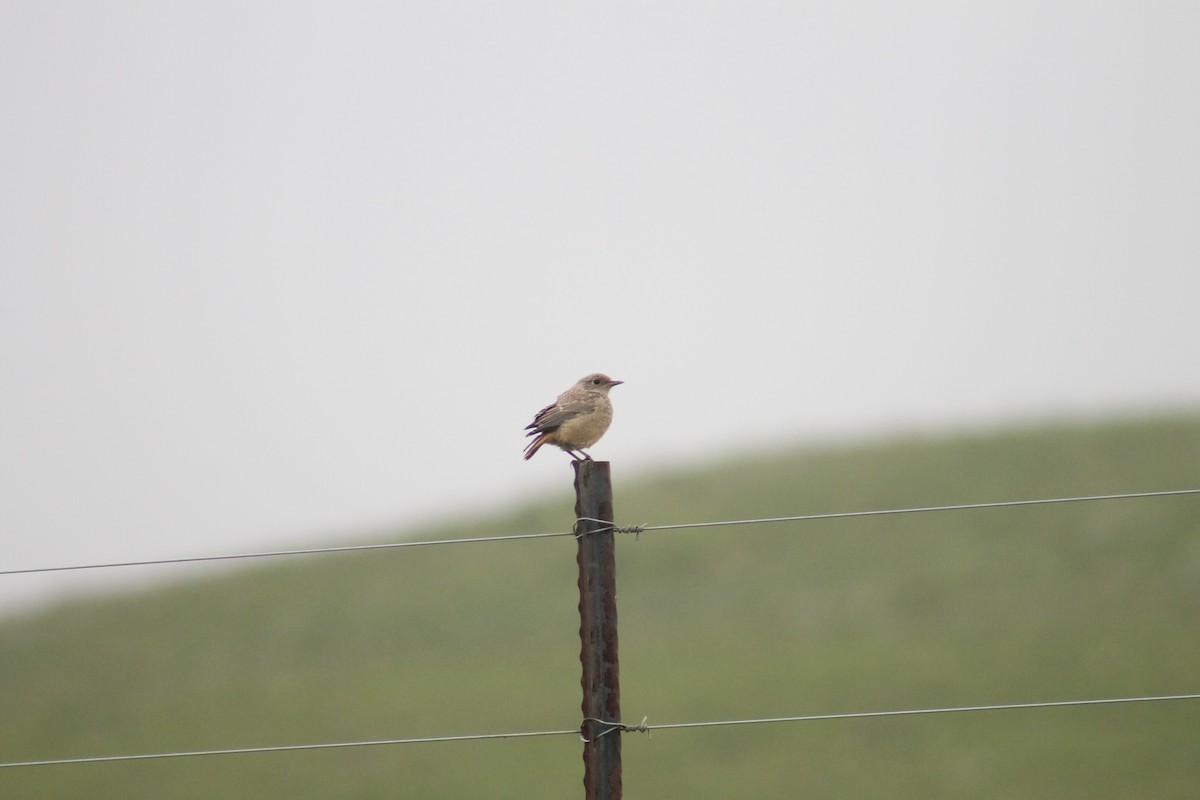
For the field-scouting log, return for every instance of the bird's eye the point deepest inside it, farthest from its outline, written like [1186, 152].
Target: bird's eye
[597, 381]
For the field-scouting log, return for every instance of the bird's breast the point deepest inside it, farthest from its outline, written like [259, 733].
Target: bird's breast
[586, 429]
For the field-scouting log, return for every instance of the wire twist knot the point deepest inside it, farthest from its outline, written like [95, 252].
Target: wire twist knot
[636, 530]
[641, 727]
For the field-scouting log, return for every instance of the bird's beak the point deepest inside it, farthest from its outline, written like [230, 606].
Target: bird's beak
[615, 383]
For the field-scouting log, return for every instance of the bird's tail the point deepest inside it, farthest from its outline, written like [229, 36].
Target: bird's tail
[533, 446]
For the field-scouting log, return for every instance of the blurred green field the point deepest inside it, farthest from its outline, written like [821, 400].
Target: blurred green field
[1071, 601]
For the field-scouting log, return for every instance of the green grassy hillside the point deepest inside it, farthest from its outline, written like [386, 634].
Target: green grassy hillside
[1057, 602]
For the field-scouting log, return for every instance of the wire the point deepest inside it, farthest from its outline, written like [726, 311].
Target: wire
[896, 511]
[283, 748]
[276, 553]
[630, 529]
[915, 712]
[642, 728]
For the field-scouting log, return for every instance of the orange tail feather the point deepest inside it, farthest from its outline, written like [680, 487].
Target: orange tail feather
[535, 445]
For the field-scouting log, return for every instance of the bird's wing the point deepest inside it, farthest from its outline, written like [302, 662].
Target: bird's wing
[553, 416]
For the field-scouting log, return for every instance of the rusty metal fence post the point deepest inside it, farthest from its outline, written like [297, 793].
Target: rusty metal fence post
[598, 631]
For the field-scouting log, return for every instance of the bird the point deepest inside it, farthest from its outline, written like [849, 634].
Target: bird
[577, 419]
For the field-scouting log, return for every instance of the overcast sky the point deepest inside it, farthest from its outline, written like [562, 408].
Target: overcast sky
[280, 273]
